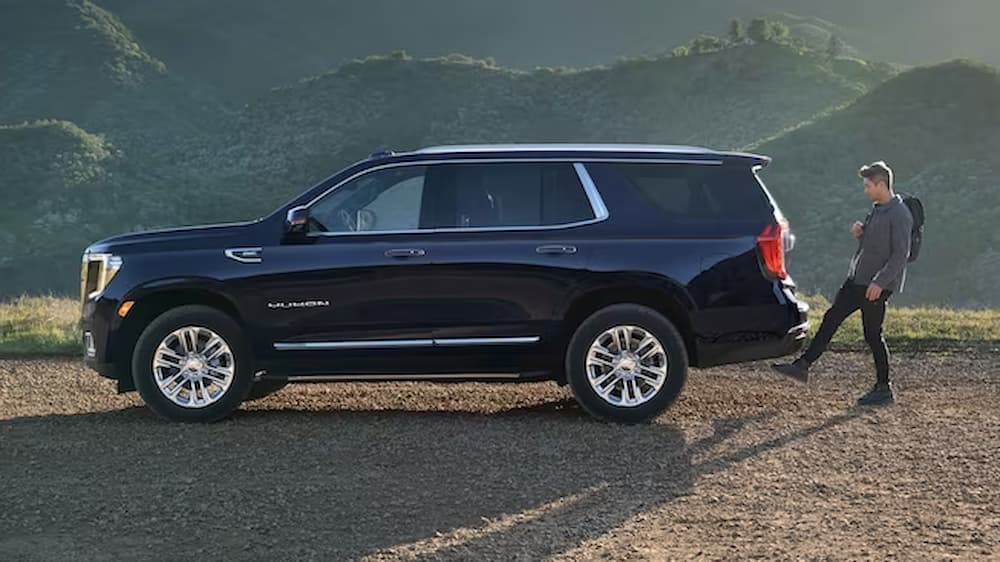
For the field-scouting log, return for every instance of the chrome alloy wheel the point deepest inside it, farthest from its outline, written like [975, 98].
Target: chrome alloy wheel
[193, 367]
[626, 366]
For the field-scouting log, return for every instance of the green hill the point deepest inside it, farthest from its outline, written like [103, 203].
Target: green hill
[243, 47]
[67, 60]
[59, 191]
[939, 127]
[299, 134]
[72, 60]
[114, 142]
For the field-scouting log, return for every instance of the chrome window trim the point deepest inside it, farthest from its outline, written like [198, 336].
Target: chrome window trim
[596, 202]
[598, 207]
[402, 344]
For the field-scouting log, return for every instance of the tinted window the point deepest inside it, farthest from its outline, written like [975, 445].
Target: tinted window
[388, 199]
[505, 195]
[687, 192]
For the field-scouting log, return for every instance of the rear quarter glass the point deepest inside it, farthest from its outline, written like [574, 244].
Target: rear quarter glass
[688, 199]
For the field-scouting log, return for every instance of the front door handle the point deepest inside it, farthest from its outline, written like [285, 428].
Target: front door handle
[556, 249]
[405, 253]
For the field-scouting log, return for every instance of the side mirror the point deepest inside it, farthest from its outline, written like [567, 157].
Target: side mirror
[297, 220]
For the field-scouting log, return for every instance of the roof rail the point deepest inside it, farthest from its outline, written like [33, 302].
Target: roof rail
[567, 147]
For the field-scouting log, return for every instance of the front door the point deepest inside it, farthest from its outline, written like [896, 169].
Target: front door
[349, 298]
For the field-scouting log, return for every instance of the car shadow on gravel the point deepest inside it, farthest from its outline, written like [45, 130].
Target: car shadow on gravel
[531, 481]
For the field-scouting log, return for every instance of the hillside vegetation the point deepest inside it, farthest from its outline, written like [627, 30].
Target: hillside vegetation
[939, 127]
[298, 134]
[244, 47]
[100, 133]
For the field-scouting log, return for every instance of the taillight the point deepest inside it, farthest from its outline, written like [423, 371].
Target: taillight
[772, 249]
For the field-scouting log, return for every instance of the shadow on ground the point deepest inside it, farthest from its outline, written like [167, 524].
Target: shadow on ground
[534, 481]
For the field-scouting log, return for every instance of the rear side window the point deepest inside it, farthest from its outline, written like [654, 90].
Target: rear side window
[505, 195]
[686, 192]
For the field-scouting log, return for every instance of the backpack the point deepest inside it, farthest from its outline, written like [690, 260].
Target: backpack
[917, 232]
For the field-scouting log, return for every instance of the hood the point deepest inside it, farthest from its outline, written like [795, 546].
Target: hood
[187, 238]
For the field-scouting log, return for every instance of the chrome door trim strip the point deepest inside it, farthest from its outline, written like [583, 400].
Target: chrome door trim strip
[360, 344]
[458, 342]
[402, 344]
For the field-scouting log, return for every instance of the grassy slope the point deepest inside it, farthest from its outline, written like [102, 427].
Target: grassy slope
[301, 133]
[56, 190]
[243, 47]
[68, 60]
[939, 127]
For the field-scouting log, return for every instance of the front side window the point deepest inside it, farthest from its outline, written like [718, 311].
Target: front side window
[383, 200]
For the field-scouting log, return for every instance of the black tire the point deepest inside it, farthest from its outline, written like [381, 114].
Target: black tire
[263, 389]
[161, 327]
[626, 315]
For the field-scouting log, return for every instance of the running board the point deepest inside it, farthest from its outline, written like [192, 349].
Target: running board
[398, 377]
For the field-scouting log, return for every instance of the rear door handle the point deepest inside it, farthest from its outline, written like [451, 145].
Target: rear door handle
[556, 249]
[405, 253]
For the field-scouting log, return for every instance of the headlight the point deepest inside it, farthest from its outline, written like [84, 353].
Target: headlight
[97, 272]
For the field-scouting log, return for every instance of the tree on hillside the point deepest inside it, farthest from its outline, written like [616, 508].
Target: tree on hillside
[836, 47]
[737, 32]
[706, 44]
[779, 30]
[759, 31]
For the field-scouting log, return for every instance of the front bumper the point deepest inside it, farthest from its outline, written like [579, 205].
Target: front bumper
[97, 323]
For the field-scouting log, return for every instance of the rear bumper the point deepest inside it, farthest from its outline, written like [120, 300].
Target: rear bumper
[713, 355]
[784, 329]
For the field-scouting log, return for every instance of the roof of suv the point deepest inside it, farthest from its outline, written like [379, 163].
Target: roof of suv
[645, 150]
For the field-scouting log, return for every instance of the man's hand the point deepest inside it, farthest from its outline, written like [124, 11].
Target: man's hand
[857, 229]
[874, 292]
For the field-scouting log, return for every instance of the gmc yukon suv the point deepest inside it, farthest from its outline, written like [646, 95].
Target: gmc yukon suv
[610, 268]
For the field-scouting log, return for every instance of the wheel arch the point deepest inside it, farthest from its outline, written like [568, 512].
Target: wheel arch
[151, 303]
[664, 296]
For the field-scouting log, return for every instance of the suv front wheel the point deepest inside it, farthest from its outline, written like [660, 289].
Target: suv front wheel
[192, 364]
[626, 363]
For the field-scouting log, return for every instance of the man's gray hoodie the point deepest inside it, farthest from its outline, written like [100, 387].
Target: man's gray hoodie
[885, 246]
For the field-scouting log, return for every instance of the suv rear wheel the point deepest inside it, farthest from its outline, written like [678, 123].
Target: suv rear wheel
[192, 364]
[626, 363]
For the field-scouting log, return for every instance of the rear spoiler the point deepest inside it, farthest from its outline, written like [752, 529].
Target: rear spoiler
[755, 160]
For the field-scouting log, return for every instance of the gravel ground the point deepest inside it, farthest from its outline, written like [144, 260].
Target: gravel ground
[746, 465]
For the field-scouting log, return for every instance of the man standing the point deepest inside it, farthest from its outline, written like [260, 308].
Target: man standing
[877, 270]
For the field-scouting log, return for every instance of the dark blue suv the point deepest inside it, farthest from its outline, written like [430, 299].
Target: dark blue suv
[610, 268]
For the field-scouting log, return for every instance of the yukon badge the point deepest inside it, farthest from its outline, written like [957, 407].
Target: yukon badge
[298, 304]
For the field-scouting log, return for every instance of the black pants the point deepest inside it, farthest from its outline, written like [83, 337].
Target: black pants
[850, 298]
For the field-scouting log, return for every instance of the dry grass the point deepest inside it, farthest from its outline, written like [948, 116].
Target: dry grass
[48, 326]
[918, 325]
[39, 326]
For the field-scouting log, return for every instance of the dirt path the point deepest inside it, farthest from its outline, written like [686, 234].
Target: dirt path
[746, 465]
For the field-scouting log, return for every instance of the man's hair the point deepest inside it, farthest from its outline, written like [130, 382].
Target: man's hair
[876, 172]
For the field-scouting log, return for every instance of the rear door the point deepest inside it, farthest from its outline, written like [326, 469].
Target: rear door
[510, 244]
